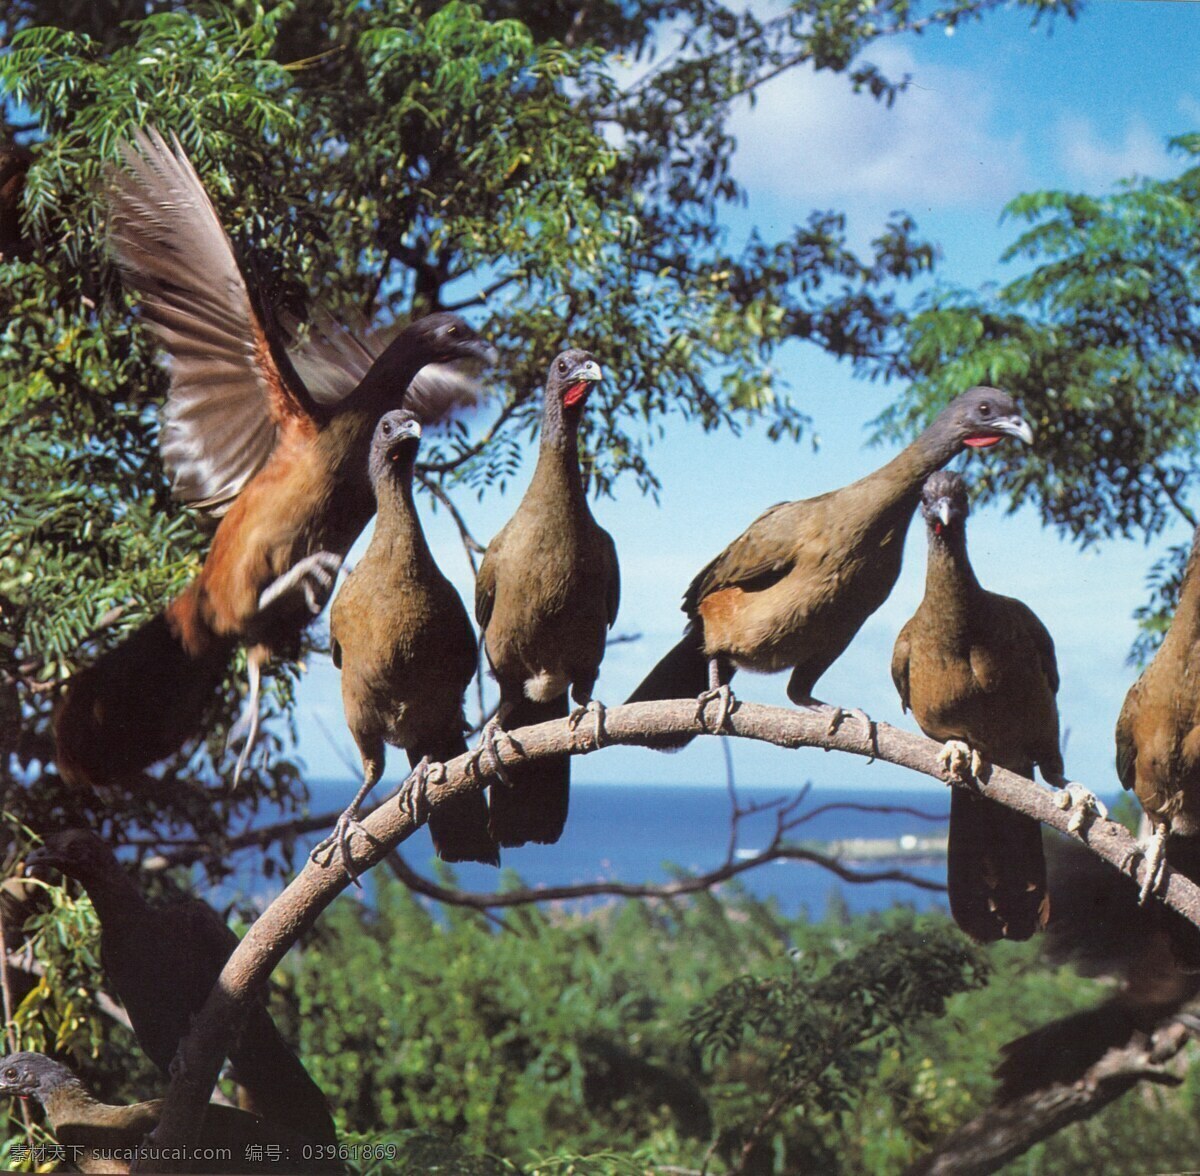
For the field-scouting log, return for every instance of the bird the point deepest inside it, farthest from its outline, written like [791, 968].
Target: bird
[1158, 739]
[979, 673]
[15, 162]
[282, 467]
[794, 588]
[546, 595]
[103, 1138]
[407, 652]
[1098, 927]
[162, 961]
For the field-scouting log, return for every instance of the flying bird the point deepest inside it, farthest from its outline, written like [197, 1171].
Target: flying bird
[162, 961]
[407, 652]
[547, 593]
[795, 587]
[103, 1138]
[1158, 739]
[978, 672]
[282, 465]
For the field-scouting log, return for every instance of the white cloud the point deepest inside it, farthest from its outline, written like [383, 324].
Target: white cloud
[1099, 162]
[812, 139]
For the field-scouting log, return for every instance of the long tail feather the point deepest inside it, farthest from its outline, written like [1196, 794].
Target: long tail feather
[681, 673]
[459, 827]
[534, 808]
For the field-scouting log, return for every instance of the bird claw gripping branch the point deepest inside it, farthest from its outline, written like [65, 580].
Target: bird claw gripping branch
[489, 739]
[1082, 804]
[595, 708]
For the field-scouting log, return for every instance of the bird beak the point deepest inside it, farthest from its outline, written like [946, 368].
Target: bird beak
[1015, 426]
[408, 430]
[941, 508]
[39, 861]
[578, 381]
[479, 349]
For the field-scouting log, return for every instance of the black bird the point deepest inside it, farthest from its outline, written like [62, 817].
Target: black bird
[162, 963]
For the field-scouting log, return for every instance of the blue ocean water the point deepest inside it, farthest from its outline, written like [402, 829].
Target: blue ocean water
[639, 833]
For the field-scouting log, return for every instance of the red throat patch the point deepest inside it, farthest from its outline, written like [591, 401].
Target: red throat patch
[575, 393]
[982, 441]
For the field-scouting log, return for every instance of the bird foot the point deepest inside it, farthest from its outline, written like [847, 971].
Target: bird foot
[413, 798]
[724, 696]
[595, 708]
[313, 575]
[339, 842]
[1083, 806]
[961, 762]
[838, 716]
[1156, 858]
[489, 739]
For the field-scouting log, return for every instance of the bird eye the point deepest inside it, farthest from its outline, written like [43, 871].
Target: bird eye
[985, 409]
[452, 330]
[10, 1072]
[562, 365]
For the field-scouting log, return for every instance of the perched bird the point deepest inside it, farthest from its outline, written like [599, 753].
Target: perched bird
[407, 652]
[245, 438]
[14, 165]
[978, 672]
[100, 1137]
[546, 595]
[1158, 738]
[162, 963]
[1097, 926]
[795, 587]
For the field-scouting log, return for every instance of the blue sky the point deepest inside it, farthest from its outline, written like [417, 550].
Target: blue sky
[995, 110]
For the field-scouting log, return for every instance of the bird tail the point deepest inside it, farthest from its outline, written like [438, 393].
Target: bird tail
[535, 807]
[458, 826]
[996, 872]
[681, 673]
[141, 701]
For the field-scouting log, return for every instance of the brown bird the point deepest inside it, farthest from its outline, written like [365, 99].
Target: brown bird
[162, 963]
[103, 1138]
[546, 595]
[407, 652]
[796, 586]
[978, 672]
[242, 437]
[1158, 739]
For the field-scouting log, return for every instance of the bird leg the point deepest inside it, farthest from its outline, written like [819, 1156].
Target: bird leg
[247, 725]
[839, 716]
[413, 798]
[961, 762]
[719, 691]
[347, 825]
[313, 575]
[489, 738]
[595, 708]
[1083, 805]
[1156, 856]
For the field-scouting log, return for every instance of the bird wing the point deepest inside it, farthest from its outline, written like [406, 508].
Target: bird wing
[485, 581]
[901, 652]
[613, 576]
[229, 398]
[762, 554]
[1042, 641]
[1126, 744]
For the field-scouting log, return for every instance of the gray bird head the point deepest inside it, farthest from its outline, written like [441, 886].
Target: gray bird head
[395, 443]
[78, 853]
[944, 502]
[446, 337]
[572, 376]
[33, 1075]
[982, 417]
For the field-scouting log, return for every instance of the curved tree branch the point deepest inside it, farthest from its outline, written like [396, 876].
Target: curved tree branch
[299, 906]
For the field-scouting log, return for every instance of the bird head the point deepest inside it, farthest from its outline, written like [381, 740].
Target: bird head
[395, 443]
[944, 502]
[33, 1075]
[981, 417]
[445, 337]
[78, 853]
[572, 375]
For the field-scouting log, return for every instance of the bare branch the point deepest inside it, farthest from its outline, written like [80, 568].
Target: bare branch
[299, 906]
